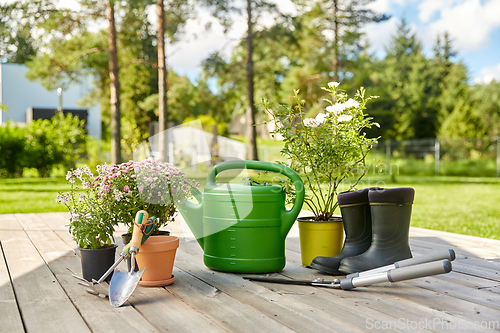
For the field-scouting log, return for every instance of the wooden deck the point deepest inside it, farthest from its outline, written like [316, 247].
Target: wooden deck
[38, 293]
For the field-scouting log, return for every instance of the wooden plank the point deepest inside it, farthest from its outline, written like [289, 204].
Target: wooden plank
[167, 312]
[55, 221]
[296, 315]
[43, 303]
[97, 312]
[411, 300]
[293, 256]
[469, 245]
[9, 313]
[230, 313]
[9, 222]
[31, 222]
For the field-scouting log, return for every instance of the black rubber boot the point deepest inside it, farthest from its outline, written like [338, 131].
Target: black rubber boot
[356, 217]
[391, 214]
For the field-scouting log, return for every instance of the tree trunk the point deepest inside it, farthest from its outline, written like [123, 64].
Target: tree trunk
[162, 85]
[114, 89]
[250, 114]
[335, 60]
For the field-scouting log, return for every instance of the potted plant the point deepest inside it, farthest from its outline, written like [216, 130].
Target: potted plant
[147, 185]
[115, 194]
[156, 188]
[325, 151]
[91, 223]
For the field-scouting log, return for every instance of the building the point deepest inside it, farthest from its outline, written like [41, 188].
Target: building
[26, 100]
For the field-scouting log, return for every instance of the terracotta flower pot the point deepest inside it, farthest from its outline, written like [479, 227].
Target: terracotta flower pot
[126, 239]
[157, 255]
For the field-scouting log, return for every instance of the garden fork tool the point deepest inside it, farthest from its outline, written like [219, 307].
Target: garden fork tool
[428, 265]
[124, 286]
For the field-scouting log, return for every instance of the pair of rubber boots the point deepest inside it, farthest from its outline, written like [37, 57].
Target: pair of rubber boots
[376, 223]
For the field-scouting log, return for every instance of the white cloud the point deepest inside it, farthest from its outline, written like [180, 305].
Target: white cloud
[186, 56]
[430, 7]
[380, 34]
[379, 6]
[489, 74]
[469, 22]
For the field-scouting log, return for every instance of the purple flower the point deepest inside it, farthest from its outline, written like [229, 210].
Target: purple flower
[184, 187]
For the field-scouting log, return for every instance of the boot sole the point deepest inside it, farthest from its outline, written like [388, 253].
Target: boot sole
[326, 270]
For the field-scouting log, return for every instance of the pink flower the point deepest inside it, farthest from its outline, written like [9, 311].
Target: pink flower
[126, 188]
[141, 188]
[149, 179]
[184, 187]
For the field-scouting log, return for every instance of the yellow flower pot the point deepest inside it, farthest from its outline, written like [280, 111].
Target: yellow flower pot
[320, 238]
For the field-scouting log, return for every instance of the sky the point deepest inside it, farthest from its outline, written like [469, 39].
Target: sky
[473, 25]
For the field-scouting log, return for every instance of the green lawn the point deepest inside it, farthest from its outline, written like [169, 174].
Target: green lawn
[462, 205]
[31, 195]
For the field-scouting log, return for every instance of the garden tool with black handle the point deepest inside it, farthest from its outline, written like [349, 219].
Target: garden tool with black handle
[356, 217]
[415, 268]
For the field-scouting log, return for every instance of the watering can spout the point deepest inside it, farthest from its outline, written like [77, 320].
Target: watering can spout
[193, 215]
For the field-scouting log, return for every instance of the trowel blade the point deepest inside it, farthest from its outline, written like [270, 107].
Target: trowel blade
[122, 285]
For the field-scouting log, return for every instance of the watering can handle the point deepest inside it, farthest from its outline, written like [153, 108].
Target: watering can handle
[288, 216]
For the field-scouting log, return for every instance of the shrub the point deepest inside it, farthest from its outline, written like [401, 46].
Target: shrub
[12, 150]
[42, 144]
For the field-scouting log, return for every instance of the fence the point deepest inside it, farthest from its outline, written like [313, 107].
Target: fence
[451, 157]
[475, 156]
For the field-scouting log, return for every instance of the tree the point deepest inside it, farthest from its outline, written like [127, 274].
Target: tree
[114, 87]
[254, 9]
[409, 91]
[485, 103]
[162, 82]
[338, 24]
[71, 50]
[17, 44]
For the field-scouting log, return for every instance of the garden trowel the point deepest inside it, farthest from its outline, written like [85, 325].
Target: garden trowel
[142, 227]
[123, 283]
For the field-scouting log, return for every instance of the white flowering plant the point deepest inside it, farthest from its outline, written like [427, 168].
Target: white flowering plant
[117, 192]
[327, 149]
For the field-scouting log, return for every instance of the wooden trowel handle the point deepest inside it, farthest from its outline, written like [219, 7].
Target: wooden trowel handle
[140, 218]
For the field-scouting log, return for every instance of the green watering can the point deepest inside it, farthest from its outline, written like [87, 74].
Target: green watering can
[242, 228]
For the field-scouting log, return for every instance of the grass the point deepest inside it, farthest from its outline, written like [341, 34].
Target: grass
[31, 195]
[464, 205]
